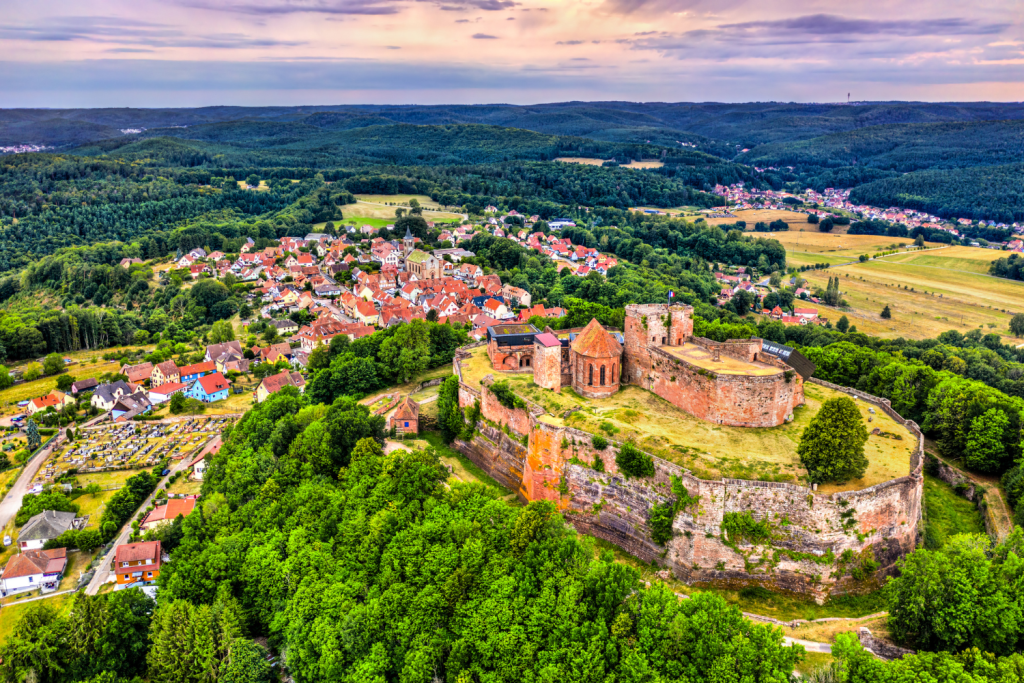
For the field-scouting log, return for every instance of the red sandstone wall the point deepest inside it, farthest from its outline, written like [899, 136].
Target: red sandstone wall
[609, 506]
[738, 400]
[547, 369]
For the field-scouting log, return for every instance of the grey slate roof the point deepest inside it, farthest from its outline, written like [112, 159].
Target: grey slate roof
[108, 392]
[46, 525]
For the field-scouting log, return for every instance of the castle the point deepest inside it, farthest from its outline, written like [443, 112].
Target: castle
[534, 448]
[740, 382]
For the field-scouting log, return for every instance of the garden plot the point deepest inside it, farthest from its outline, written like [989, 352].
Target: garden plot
[135, 445]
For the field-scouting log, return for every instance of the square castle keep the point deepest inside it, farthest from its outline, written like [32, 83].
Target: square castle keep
[738, 382]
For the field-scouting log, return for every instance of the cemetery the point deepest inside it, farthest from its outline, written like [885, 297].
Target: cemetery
[134, 445]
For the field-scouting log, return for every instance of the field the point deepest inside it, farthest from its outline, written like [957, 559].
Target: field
[89, 364]
[10, 614]
[382, 207]
[709, 450]
[804, 248]
[947, 514]
[969, 259]
[795, 220]
[650, 163]
[925, 300]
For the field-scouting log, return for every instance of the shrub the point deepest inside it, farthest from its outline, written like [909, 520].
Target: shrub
[660, 521]
[599, 442]
[742, 525]
[633, 462]
[506, 397]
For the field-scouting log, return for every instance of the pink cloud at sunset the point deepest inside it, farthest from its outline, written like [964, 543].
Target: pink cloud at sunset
[198, 52]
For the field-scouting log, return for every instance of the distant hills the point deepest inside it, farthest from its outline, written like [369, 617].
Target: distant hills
[819, 145]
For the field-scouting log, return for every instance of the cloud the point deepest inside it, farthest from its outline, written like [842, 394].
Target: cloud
[483, 36]
[830, 24]
[569, 42]
[393, 47]
[130, 32]
[354, 7]
[462, 21]
[120, 50]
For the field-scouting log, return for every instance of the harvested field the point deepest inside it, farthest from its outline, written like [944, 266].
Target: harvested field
[795, 220]
[650, 163]
[924, 300]
[709, 450]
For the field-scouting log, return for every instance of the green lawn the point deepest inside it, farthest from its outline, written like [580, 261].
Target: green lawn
[947, 514]
[10, 614]
[465, 464]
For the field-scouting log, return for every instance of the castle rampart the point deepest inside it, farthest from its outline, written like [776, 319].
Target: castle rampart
[537, 456]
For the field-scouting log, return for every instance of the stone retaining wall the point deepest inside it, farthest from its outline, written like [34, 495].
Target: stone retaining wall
[809, 531]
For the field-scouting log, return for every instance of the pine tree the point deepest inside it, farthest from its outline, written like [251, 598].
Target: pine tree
[886, 313]
[32, 430]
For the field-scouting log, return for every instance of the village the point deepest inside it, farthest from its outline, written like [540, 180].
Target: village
[741, 198]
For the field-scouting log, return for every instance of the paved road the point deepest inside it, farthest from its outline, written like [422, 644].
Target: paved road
[12, 501]
[103, 566]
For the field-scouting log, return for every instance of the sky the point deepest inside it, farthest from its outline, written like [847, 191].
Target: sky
[148, 53]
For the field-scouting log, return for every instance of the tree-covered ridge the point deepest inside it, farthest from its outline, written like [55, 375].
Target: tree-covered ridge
[901, 147]
[364, 566]
[990, 192]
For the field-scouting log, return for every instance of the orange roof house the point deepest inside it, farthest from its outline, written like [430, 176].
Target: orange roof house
[165, 514]
[134, 562]
[406, 418]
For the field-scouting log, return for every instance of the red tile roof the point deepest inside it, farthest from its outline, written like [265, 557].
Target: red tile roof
[595, 342]
[211, 384]
[207, 366]
[173, 508]
[134, 552]
[32, 562]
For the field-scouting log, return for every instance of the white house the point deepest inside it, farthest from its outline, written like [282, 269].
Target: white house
[33, 569]
[46, 525]
[164, 392]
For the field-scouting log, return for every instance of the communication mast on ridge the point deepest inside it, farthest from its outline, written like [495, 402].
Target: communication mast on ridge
[847, 98]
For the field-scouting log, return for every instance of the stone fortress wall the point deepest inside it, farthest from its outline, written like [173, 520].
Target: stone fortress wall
[739, 400]
[540, 459]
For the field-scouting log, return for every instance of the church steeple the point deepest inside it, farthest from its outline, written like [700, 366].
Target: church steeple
[408, 242]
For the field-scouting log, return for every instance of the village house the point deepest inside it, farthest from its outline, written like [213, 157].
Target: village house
[406, 418]
[34, 569]
[273, 384]
[273, 353]
[164, 392]
[190, 373]
[55, 399]
[137, 374]
[163, 373]
[105, 395]
[209, 389]
[215, 351]
[137, 563]
[285, 326]
[84, 385]
[47, 525]
[200, 462]
[165, 514]
[366, 313]
[127, 407]
[516, 295]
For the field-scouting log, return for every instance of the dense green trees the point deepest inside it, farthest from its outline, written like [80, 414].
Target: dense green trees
[34, 503]
[123, 504]
[434, 580]
[965, 595]
[103, 634]
[832, 446]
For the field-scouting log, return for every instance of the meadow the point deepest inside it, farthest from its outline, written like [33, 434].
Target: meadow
[925, 300]
[88, 364]
[947, 514]
[648, 163]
